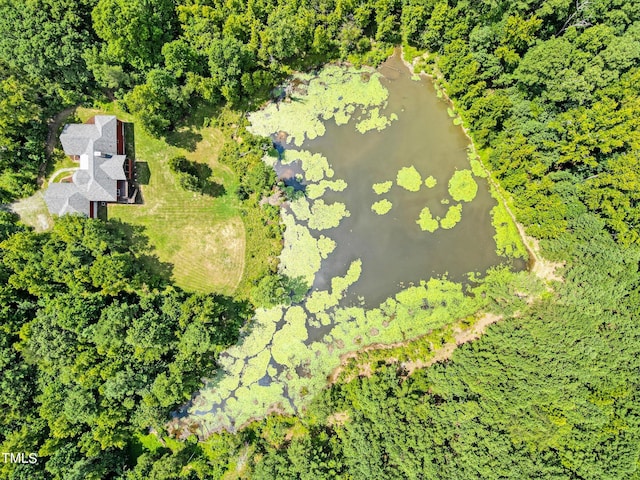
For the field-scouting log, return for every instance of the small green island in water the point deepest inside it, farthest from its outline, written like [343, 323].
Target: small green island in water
[378, 233]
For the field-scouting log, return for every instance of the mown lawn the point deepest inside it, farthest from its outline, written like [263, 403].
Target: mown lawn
[202, 237]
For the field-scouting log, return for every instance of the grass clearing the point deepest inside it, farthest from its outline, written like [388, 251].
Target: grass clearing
[203, 237]
[33, 212]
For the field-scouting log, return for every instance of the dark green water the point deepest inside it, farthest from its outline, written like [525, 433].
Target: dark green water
[394, 250]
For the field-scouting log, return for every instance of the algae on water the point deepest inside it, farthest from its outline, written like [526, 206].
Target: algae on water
[375, 121]
[453, 216]
[325, 216]
[326, 246]
[382, 207]
[430, 181]
[462, 186]
[315, 166]
[382, 187]
[426, 221]
[301, 256]
[335, 93]
[409, 179]
[300, 208]
[317, 190]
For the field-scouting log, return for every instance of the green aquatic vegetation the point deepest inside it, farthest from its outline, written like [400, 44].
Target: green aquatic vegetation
[426, 221]
[430, 305]
[477, 168]
[305, 364]
[296, 119]
[444, 201]
[324, 216]
[414, 311]
[409, 178]
[339, 285]
[382, 207]
[430, 181]
[476, 165]
[375, 121]
[508, 239]
[382, 187]
[232, 365]
[256, 367]
[343, 116]
[457, 121]
[451, 112]
[462, 186]
[300, 208]
[252, 401]
[261, 330]
[313, 322]
[317, 190]
[334, 93]
[288, 346]
[442, 292]
[300, 255]
[453, 216]
[324, 318]
[413, 298]
[315, 166]
[326, 246]
[320, 301]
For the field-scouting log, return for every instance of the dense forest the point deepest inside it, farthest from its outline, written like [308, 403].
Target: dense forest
[98, 346]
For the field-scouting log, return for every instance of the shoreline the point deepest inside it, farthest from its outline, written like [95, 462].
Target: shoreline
[536, 263]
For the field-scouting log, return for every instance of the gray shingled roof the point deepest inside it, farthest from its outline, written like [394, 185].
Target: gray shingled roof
[97, 178]
[108, 140]
[63, 198]
[114, 167]
[76, 138]
[95, 184]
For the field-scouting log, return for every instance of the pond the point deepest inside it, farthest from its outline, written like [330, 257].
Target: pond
[396, 213]
[393, 249]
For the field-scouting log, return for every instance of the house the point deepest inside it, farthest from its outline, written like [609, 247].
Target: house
[104, 174]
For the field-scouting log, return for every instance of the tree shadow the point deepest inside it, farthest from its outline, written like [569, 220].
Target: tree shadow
[133, 235]
[158, 273]
[187, 139]
[129, 140]
[213, 189]
[154, 273]
[196, 177]
[143, 173]
[201, 170]
[203, 115]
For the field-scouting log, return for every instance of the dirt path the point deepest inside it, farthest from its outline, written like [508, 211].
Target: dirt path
[461, 336]
[52, 138]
